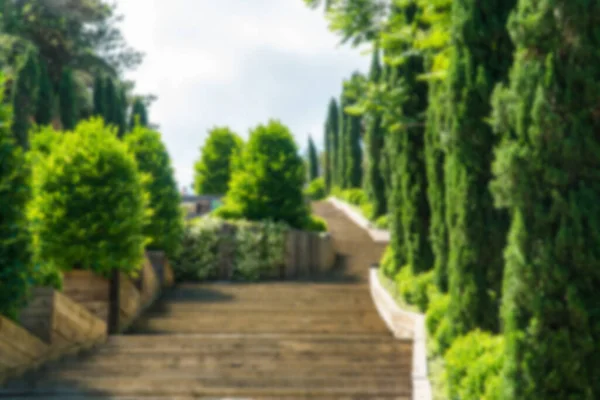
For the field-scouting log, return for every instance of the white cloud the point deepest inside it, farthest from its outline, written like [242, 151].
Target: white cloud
[235, 63]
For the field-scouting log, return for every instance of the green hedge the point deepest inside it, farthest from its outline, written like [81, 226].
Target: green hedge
[257, 249]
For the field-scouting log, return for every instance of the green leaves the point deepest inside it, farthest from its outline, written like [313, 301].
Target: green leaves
[213, 170]
[165, 228]
[268, 182]
[90, 205]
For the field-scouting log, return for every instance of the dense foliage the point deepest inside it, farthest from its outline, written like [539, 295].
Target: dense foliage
[453, 182]
[268, 183]
[15, 240]
[89, 206]
[313, 161]
[316, 189]
[165, 228]
[213, 169]
[481, 56]
[546, 176]
[252, 251]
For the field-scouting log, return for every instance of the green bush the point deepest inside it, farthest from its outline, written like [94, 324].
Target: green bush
[315, 223]
[258, 250]
[267, 181]
[383, 222]
[387, 261]
[316, 189]
[354, 196]
[436, 322]
[198, 258]
[415, 289]
[15, 240]
[165, 229]
[89, 205]
[473, 366]
[212, 172]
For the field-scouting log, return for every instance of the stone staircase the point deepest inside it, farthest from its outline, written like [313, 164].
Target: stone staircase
[319, 339]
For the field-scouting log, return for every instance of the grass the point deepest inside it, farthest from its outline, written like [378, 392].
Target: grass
[435, 363]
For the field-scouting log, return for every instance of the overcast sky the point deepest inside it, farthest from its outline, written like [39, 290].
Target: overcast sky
[236, 63]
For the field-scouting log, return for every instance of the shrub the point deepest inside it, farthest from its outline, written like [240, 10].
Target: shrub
[267, 184]
[415, 289]
[383, 222]
[473, 366]
[258, 250]
[89, 205]
[165, 229]
[198, 258]
[316, 189]
[354, 196]
[15, 241]
[315, 224]
[213, 170]
[436, 322]
[387, 261]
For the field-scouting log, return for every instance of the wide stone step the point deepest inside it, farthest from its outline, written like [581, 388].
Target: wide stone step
[194, 386]
[264, 322]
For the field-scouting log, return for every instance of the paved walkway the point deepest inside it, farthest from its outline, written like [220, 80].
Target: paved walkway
[320, 339]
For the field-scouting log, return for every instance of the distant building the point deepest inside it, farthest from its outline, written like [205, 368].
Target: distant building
[197, 206]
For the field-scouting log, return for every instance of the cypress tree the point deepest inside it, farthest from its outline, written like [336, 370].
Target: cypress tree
[393, 144]
[352, 135]
[121, 111]
[67, 99]
[99, 97]
[546, 174]
[138, 111]
[15, 239]
[374, 183]
[341, 180]
[353, 152]
[313, 160]
[331, 143]
[45, 101]
[24, 98]
[415, 205]
[434, 152]
[111, 115]
[481, 57]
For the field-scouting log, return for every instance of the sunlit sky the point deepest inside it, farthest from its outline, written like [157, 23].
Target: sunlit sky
[236, 63]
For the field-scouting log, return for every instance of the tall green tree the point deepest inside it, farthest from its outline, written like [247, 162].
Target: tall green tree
[15, 240]
[24, 97]
[353, 168]
[313, 160]
[100, 101]
[436, 126]
[269, 183]
[67, 100]
[331, 143]
[45, 101]
[121, 111]
[138, 113]
[166, 227]
[374, 140]
[546, 173]
[111, 115]
[212, 172]
[481, 57]
[341, 153]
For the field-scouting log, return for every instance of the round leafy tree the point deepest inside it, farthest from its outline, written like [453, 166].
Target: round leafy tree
[268, 184]
[213, 170]
[165, 229]
[15, 246]
[89, 206]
